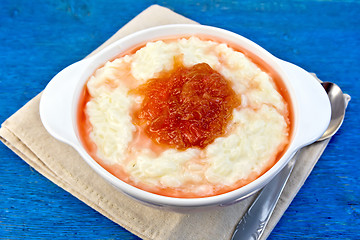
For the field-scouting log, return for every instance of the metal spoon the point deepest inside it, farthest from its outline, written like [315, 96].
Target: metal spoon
[338, 107]
[253, 223]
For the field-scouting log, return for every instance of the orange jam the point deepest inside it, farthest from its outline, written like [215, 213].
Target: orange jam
[186, 107]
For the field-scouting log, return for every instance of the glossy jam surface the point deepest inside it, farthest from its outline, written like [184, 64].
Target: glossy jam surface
[186, 107]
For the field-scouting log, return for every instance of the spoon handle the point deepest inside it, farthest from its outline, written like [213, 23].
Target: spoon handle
[253, 223]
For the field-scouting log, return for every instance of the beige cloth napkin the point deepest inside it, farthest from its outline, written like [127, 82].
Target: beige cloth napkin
[24, 133]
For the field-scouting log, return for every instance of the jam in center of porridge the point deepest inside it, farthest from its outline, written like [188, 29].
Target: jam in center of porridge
[186, 107]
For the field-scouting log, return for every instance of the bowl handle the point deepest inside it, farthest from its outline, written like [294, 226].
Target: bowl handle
[314, 110]
[56, 104]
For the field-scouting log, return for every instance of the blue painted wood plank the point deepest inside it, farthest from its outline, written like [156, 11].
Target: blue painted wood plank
[38, 40]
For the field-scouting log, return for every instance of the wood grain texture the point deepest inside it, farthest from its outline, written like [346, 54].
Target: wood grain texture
[38, 40]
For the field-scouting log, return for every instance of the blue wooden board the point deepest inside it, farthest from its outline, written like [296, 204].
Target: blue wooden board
[38, 39]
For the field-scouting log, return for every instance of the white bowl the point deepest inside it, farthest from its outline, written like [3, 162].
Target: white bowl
[59, 103]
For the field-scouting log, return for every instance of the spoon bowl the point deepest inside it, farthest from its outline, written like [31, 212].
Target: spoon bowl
[338, 107]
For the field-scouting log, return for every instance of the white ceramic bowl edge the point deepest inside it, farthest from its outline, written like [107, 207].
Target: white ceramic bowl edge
[59, 104]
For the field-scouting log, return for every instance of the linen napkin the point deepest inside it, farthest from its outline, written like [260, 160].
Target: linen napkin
[24, 133]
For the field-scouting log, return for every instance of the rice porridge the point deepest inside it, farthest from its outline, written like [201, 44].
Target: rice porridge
[184, 117]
